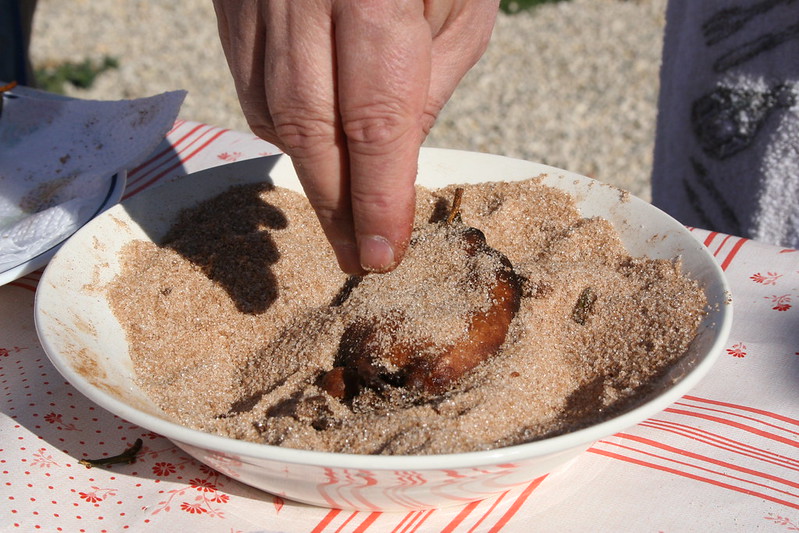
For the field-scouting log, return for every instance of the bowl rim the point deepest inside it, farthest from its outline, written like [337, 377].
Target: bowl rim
[244, 450]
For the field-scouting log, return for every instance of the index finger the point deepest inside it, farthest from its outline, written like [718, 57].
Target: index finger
[383, 53]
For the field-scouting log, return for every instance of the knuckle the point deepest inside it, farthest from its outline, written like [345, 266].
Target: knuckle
[383, 207]
[375, 201]
[335, 220]
[301, 133]
[330, 210]
[377, 126]
[330, 215]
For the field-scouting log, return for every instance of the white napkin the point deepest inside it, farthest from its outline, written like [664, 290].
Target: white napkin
[57, 159]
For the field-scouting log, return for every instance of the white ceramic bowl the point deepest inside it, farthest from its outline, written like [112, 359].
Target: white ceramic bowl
[87, 345]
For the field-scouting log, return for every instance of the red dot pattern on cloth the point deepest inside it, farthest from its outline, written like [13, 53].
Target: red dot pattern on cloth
[47, 426]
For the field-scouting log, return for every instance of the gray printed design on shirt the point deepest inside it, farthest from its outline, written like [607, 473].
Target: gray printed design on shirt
[751, 49]
[730, 118]
[726, 211]
[729, 21]
[727, 120]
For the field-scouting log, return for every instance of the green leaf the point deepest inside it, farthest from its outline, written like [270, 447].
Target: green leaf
[515, 6]
[80, 74]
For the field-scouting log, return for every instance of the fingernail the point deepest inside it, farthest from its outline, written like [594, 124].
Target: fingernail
[376, 253]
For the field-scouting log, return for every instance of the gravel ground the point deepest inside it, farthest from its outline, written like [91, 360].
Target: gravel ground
[571, 84]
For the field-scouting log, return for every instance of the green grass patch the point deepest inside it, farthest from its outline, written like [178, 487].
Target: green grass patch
[79, 74]
[515, 6]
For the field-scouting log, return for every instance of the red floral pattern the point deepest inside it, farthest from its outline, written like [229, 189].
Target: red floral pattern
[5, 352]
[58, 420]
[229, 157]
[781, 302]
[204, 502]
[784, 521]
[97, 495]
[770, 278]
[42, 459]
[90, 497]
[164, 469]
[203, 485]
[738, 350]
[194, 508]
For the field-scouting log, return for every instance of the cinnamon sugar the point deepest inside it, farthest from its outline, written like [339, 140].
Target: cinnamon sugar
[236, 315]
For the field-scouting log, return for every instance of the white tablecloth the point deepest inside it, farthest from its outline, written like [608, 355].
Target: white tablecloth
[723, 458]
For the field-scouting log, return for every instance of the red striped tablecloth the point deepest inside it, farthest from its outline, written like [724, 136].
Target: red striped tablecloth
[723, 458]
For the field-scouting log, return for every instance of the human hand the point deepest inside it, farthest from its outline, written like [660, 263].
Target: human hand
[349, 90]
